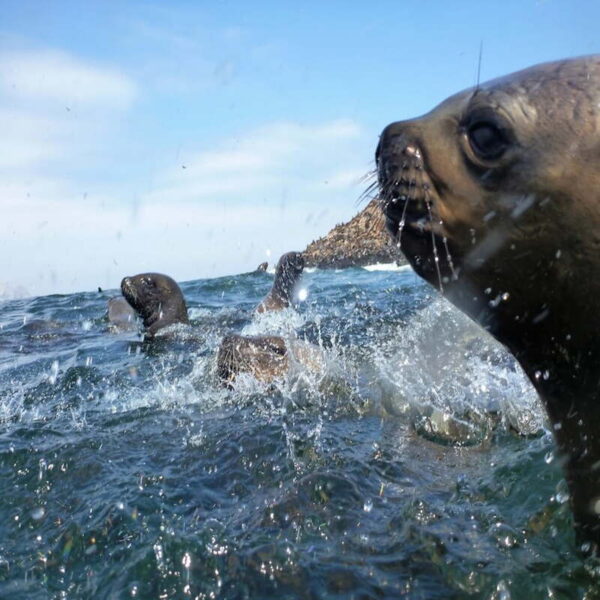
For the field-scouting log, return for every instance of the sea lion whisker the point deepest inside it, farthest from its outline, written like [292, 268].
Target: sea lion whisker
[449, 258]
[368, 175]
[436, 258]
[401, 224]
[369, 193]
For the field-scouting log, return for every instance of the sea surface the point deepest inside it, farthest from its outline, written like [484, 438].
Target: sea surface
[411, 460]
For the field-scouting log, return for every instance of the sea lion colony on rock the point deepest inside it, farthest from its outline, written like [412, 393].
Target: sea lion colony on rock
[494, 198]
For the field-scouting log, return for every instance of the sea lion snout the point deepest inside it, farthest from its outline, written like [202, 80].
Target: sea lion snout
[406, 191]
[296, 261]
[127, 287]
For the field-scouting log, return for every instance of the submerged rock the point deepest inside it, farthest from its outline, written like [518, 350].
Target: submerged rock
[361, 241]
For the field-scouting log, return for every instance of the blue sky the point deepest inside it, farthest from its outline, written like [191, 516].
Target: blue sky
[201, 138]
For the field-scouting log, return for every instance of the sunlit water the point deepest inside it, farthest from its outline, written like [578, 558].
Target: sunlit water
[411, 461]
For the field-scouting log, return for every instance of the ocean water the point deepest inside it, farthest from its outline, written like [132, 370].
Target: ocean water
[410, 459]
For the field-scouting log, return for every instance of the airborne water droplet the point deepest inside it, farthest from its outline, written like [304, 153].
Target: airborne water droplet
[38, 513]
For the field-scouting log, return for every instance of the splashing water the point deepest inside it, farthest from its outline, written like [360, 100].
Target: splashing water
[407, 457]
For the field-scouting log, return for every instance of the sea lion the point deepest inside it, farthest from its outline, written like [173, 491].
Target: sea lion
[262, 267]
[265, 357]
[288, 271]
[494, 198]
[121, 315]
[157, 299]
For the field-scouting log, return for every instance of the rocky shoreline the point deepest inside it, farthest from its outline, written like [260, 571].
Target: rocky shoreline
[361, 241]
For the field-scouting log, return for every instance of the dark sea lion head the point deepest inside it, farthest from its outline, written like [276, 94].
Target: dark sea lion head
[156, 298]
[494, 198]
[287, 273]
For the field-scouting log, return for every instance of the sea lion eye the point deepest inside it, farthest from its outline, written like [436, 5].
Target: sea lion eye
[487, 141]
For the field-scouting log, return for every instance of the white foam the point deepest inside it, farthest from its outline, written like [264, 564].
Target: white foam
[386, 267]
[274, 322]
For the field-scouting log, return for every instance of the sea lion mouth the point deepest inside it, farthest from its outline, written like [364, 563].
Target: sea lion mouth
[409, 200]
[128, 290]
[406, 191]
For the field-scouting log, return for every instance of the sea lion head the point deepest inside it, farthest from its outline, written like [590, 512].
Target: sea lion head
[264, 357]
[288, 271]
[156, 298]
[287, 274]
[494, 198]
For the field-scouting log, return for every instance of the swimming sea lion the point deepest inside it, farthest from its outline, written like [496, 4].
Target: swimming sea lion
[157, 299]
[121, 315]
[265, 357]
[262, 267]
[288, 271]
[494, 198]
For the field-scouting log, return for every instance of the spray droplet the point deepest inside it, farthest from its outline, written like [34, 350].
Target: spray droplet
[38, 513]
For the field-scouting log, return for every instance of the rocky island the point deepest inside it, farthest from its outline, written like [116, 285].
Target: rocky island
[361, 241]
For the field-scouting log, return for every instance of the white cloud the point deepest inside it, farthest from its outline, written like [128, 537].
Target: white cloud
[29, 137]
[59, 77]
[272, 189]
[210, 212]
[56, 111]
[277, 158]
[61, 243]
